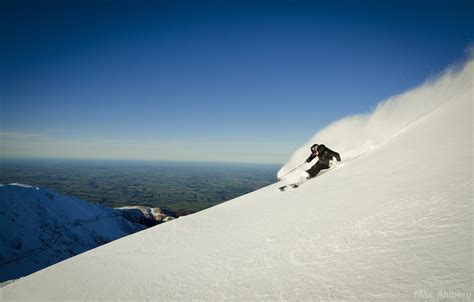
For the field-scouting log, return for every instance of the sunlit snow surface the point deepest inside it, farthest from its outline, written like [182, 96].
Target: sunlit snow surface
[393, 223]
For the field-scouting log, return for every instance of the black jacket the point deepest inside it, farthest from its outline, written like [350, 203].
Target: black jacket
[324, 155]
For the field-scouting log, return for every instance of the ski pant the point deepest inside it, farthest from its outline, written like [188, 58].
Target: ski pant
[314, 170]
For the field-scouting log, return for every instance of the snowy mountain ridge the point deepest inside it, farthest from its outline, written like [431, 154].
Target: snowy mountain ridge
[394, 223]
[42, 227]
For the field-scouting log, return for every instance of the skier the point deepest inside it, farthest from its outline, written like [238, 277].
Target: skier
[324, 155]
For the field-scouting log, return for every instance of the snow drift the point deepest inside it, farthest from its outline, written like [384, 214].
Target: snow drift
[393, 224]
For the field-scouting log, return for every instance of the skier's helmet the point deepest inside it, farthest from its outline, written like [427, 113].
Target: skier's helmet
[314, 147]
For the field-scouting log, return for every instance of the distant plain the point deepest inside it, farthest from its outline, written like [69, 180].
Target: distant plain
[178, 188]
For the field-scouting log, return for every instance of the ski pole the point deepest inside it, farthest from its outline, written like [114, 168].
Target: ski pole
[292, 170]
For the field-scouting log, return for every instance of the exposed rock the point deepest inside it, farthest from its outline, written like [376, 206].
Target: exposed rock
[144, 215]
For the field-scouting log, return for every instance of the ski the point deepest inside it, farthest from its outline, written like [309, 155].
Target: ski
[293, 186]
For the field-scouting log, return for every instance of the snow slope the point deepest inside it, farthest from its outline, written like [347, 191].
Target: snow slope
[356, 135]
[394, 223]
[41, 227]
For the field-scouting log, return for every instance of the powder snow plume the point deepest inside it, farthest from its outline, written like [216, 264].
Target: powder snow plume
[356, 135]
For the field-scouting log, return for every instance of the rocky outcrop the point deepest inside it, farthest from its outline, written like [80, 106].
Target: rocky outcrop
[144, 215]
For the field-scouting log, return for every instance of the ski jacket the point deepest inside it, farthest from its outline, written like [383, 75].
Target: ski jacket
[324, 155]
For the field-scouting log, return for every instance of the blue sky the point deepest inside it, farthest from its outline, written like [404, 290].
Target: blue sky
[235, 81]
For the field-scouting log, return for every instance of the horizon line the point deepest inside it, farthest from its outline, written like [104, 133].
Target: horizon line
[98, 159]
